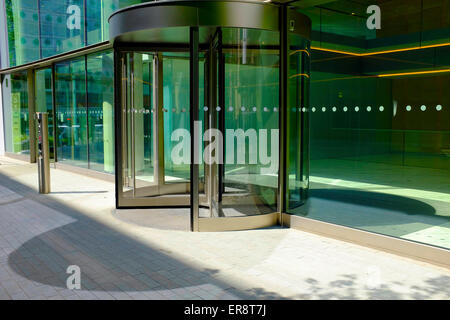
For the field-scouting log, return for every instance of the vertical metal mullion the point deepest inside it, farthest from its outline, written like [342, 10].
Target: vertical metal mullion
[86, 84]
[133, 147]
[31, 112]
[86, 99]
[55, 131]
[158, 120]
[39, 28]
[212, 124]
[194, 116]
[118, 114]
[284, 63]
[85, 23]
[221, 59]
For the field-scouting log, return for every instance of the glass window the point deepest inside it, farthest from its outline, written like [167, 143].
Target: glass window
[23, 31]
[251, 119]
[379, 130]
[97, 16]
[40, 29]
[15, 113]
[62, 26]
[100, 76]
[71, 117]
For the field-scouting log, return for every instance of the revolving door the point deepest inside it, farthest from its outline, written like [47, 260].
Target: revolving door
[211, 110]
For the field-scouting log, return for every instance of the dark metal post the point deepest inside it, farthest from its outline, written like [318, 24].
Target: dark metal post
[43, 152]
[221, 112]
[284, 64]
[194, 96]
[31, 113]
[86, 102]
[118, 107]
[158, 119]
[55, 118]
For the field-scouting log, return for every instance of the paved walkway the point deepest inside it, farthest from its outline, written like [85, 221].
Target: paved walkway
[41, 235]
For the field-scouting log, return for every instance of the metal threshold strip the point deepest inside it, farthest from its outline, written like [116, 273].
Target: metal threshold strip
[59, 57]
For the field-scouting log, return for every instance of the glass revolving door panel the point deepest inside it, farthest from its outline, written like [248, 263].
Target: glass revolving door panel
[241, 122]
[155, 102]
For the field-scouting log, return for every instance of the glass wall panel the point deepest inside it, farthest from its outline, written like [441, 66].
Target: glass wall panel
[100, 76]
[23, 31]
[44, 102]
[98, 12]
[40, 29]
[61, 26]
[379, 131]
[251, 134]
[176, 111]
[15, 113]
[71, 110]
[155, 103]
[139, 123]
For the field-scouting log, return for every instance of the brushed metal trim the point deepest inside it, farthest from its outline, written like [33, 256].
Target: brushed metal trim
[237, 223]
[182, 200]
[47, 62]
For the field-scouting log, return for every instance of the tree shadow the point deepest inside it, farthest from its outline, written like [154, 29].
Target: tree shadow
[348, 287]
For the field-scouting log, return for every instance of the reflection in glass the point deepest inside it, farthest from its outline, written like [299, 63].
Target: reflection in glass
[15, 113]
[100, 108]
[71, 110]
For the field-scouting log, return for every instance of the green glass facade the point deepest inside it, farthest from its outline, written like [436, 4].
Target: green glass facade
[15, 113]
[44, 28]
[375, 108]
[380, 119]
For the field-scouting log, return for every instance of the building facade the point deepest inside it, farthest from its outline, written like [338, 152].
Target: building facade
[368, 132]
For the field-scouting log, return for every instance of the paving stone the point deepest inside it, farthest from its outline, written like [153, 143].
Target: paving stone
[41, 235]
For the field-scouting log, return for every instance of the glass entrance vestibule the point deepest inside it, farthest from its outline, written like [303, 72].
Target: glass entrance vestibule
[211, 110]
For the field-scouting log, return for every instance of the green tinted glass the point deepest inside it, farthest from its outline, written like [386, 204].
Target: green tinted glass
[71, 110]
[15, 113]
[100, 109]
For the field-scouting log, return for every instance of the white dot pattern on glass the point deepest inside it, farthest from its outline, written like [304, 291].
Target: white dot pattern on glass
[381, 108]
[324, 109]
[356, 109]
[242, 108]
[408, 108]
[369, 108]
[218, 108]
[423, 107]
[313, 109]
[334, 109]
[438, 107]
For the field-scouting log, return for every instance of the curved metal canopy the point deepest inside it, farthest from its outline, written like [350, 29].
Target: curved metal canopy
[169, 21]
